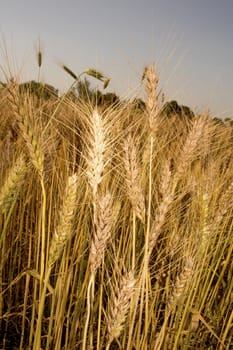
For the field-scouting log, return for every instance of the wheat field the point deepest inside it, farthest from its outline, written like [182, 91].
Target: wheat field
[116, 225]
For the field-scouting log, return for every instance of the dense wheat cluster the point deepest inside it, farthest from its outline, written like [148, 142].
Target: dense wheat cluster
[116, 225]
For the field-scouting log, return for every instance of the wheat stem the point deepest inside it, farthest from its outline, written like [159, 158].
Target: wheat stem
[62, 234]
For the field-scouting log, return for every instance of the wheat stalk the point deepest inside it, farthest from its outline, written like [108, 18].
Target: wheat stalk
[133, 178]
[96, 161]
[178, 291]
[22, 108]
[62, 234]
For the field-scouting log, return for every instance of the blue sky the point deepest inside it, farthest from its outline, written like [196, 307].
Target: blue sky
[190, 42]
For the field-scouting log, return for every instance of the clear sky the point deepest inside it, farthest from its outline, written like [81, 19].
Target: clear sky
[190, 41]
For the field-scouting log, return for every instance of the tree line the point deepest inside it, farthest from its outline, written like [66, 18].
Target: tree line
[83, 91]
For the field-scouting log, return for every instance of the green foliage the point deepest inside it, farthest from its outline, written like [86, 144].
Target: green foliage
[84, 92]
[108, 99]
[173, 108]
[39, 90]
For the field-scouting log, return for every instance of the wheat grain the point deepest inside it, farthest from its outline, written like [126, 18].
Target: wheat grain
[13, 182]
[64, 230]
[205, 225]
[225, 203]
[189, 150]
[163, 207]
[30, 134]
[70, 72]
[181, 281]
[151, 84]
[158, 223]
[133, 178]
[96, 152]
[103, 230]
[119, 306]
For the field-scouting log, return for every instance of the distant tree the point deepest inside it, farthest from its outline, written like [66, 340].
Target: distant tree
[228, 122]
[83, 90]
[108, 99]
[2, 85]
[139, 104]
[218, 121]
[39, 90]
[173, 108]
[72, 96]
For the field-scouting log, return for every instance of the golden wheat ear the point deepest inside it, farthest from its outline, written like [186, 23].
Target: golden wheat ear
[133, 178]
[12, 184]
[180, 283]
[64, 229]
[103, 230]
[29, 132]
[119, 306]
[189, 150]
[96, 151]
[151, 84]
[163, 207]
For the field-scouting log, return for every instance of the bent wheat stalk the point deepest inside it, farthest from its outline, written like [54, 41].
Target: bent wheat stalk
[62, 235]
[96, 161]
[21, 107]
[176, 294]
